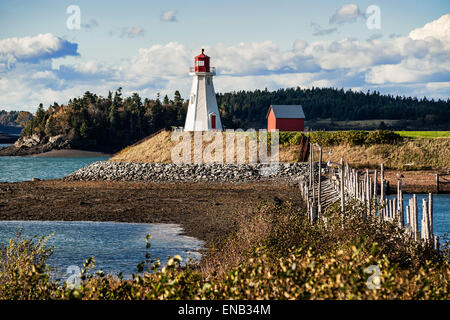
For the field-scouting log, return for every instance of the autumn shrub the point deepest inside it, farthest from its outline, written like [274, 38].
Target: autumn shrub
[355, 137]
[24, 273]
[278, 254]
[350, 137]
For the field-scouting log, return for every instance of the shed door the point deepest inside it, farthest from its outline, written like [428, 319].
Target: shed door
[213, 121]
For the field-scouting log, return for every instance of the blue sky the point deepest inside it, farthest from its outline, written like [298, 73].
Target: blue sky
[147, 47]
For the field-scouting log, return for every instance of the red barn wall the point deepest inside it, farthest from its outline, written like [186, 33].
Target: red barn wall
[284, 124]
[290, 124]
[271, 121]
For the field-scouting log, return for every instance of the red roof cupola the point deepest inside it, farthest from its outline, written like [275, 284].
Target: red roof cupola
[202, 62]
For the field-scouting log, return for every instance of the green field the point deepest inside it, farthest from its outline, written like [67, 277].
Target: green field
[424, 134]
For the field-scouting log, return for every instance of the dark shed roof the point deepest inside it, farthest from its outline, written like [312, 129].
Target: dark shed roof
[287, 111]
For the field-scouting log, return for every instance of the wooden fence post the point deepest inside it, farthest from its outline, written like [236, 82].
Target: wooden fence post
[342, 185]
[437, 182]
[408, 219]
[382, 183]
[415, 218]
[319, 185]
[313, 178]
[310, 163]
[375, 183]
[430, 217]
[400, 203]
[424, 230]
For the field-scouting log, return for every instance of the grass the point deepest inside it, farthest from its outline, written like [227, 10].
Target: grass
[275, 254]
[411, 154]
[418, 153]
[424, 134]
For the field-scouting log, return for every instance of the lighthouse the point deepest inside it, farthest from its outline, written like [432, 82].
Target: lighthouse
[203, 113]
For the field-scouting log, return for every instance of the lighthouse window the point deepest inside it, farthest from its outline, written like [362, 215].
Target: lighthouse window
[201, 63]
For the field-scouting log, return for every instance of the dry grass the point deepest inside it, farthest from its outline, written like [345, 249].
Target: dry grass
[417, 154]
[411, 154]
[155, 149]
[159, 149]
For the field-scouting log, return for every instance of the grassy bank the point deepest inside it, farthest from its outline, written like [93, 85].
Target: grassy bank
[424, 134]
[410, 154]
[275, 254]
[406, 150]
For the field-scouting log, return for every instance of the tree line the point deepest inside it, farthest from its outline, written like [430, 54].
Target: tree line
[116, 120]
[113, 121]
[249, 108]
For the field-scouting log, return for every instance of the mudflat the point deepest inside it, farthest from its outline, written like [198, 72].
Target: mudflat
[207, 211]
[70, 153]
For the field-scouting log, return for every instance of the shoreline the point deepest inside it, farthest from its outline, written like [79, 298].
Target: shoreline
[70, 153]
[206, 211]
[423, 181]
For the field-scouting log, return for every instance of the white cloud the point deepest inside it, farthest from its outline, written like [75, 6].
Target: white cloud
[159, 60]
[321, 31]
[44, 75]
[169, 16]
[345, 14]
[418, 64]
[34, 49]
[132, 32]
[439, 29]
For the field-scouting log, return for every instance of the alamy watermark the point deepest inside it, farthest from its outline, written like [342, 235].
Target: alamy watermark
[73, 22]
[373, 17]
[74, 277]
[374, 281]
[229, 147]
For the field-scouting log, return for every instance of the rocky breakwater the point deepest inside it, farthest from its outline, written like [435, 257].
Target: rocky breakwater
[167, 172]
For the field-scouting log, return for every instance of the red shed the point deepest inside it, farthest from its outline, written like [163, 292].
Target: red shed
[286, 118]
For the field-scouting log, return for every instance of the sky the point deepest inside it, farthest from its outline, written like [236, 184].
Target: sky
[51, 51]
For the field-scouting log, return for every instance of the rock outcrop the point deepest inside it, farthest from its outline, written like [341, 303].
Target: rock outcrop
[36, 144]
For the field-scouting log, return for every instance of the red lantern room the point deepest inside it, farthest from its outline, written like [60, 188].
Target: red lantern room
[202, 62]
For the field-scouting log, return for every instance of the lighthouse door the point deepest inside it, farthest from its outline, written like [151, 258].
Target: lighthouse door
[213, 121]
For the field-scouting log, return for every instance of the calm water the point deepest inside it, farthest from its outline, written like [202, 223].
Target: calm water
[116, 247]
[14, 169]
[441, 212]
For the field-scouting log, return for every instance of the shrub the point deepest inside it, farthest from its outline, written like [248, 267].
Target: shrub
[276, 254]
[355, 137]
[23, 270]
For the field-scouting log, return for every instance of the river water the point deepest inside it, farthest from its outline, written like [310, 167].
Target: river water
[121, 246]
[441, 212]
[15, 169]
[116, 247]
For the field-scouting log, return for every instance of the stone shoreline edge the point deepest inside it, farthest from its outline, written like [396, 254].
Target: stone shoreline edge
[169, 172]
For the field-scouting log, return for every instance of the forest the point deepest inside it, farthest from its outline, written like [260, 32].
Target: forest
[249, 108]
[117, 121]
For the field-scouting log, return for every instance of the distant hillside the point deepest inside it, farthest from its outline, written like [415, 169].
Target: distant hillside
[110, 123]
[330, 108]
[12, 122]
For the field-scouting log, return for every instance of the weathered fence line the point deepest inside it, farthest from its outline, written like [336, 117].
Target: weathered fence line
[347, 184]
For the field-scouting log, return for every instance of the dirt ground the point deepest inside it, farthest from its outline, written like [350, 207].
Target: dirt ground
[207, 211]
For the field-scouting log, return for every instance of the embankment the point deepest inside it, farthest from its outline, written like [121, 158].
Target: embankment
[410, 154]
[407, 154]
[168, 172]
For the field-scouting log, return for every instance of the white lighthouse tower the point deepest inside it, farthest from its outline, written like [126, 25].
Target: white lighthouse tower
[203, 113]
